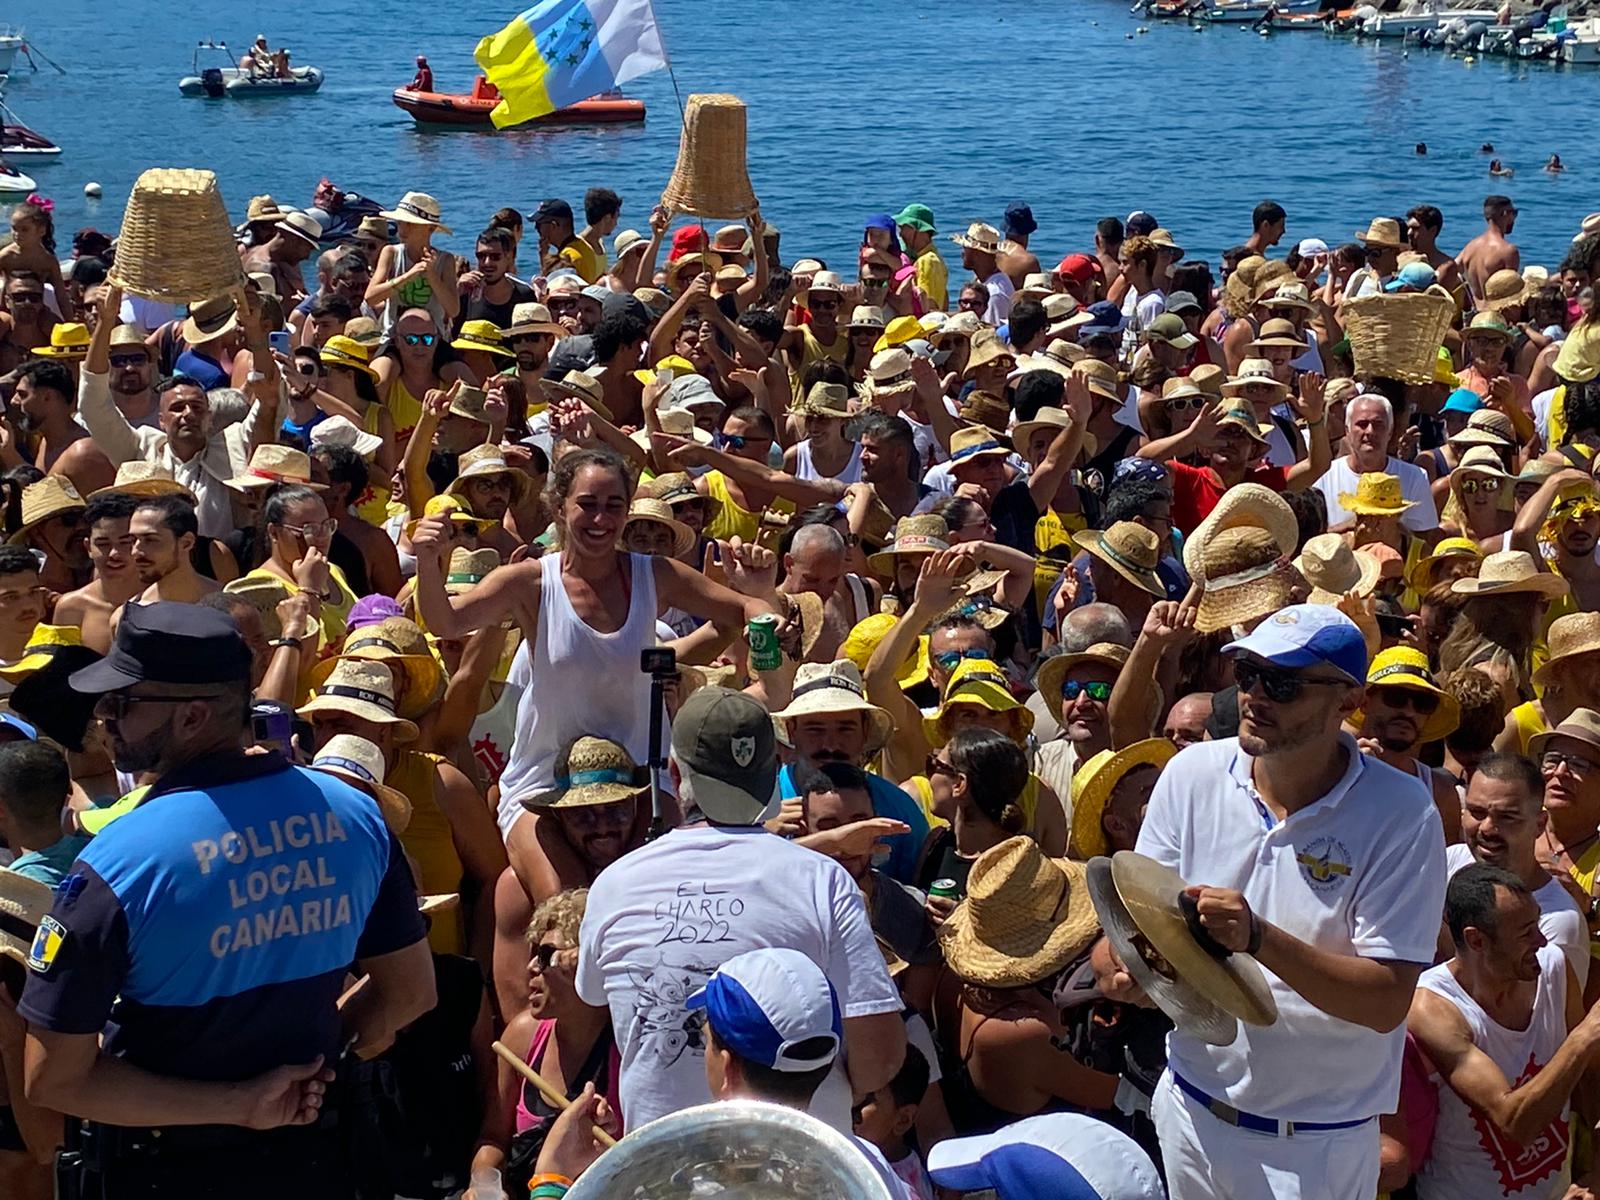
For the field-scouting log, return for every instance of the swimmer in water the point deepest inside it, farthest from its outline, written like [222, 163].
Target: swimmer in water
[1499, 171]
[1486, 148]
[1555, 164]
[1422, 147]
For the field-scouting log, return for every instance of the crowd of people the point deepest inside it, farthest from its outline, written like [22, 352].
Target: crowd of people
[671, 671]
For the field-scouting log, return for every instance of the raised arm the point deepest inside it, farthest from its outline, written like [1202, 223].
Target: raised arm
[1532, 515]
[661, 338]
[804, 492]
[1197, 436]
[508, 591]
[1167, 627]
[1046, 479]
[101, 416]
[1309, 404]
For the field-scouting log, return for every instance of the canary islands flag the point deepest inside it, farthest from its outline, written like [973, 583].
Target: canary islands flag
[561, 51]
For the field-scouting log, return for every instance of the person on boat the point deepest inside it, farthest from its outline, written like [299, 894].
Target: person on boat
[413, 273]
[259, 58]
[416, 360]
[33, 248]
[1492, 249]
[559, 243]
[489, 293]
[422, 81]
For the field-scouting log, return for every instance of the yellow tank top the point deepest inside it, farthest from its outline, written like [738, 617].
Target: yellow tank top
[730, 520]
[406, 410]
[921, 790]
[1529, 722]
[429, 842]
[812, 351]
[1051, 532]
[372, 506]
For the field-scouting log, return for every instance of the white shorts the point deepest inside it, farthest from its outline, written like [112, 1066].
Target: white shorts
[1208, 1159]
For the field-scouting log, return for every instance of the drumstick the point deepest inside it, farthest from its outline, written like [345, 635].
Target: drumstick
[546, 1090]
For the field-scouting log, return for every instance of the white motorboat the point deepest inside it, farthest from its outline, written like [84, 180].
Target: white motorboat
[1580, 43]
[229, 79]
[11, 41]
[1420, 16]
[1242, 12]
[13, 180]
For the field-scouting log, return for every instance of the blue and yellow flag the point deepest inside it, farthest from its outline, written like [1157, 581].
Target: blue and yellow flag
[561, 51]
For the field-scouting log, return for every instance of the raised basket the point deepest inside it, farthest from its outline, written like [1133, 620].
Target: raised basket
[710, 179]
[1399, 336]
[176, 242]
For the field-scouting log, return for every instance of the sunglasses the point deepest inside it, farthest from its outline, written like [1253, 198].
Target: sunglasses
[1278, 685]
[27, 297]
[948, 659]
[1072, 689]
[529, 337]
[824, 305]
[937, 766]
[544, 954]
[419, 339]
[563, 305]
[1575, 763]
[114, 707]
[736, 441]
[1184, 403]
[1471, 487]
[127, 362]
[1424, 704]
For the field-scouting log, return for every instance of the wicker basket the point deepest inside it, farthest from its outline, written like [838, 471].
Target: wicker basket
[710, 179]
[176, 243]
[1399, 336]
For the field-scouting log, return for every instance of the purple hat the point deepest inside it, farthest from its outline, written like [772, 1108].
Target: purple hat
[369, 610]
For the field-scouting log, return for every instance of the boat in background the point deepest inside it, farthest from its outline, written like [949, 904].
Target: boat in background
[11, 42]
[1244, 12]
[473, 108]
[1421, 16]
[13, 180]
[214, 82]
[17, 139]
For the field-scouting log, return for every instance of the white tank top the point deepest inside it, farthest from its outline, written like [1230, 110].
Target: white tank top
[581, 683]
[805, 468]
[1470, 1156]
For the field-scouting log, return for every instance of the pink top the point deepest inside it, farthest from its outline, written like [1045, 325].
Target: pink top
[1479, 382]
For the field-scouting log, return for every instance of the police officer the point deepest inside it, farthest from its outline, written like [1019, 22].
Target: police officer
[183, 997]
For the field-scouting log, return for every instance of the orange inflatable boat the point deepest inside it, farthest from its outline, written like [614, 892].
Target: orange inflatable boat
[454, 108]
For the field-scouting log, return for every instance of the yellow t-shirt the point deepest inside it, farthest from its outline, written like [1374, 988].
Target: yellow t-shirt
[933, 279]
[429, 843]
[1052, 531]
[1529, 723]
[372, 506]
[580, 256]
[812, 351]
[730, 520]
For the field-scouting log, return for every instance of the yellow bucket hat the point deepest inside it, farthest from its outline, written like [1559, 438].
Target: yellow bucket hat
[977, 681]
[43, 643]
[1096, 779]
[861, 641]
[897, 333]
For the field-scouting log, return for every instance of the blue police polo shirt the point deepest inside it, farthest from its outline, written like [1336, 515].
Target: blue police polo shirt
[887, 801]
[208, 931]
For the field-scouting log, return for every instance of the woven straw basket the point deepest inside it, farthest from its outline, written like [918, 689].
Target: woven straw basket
[1399, 336]
[710, 179]
[176, 243]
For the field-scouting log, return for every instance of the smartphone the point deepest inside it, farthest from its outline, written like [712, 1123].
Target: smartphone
[278, 340]
[271, 724]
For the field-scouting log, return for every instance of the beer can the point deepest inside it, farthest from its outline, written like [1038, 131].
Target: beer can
[765, 653]
[944, 887]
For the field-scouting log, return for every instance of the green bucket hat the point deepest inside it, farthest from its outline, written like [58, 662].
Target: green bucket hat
[918, 216]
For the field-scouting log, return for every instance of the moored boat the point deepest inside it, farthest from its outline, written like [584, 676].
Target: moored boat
[473, 108]
[13, 180]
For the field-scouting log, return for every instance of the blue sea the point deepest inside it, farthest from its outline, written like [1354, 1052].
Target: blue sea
[854, 107]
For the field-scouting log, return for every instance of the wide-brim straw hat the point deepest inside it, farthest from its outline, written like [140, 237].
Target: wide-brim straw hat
[834, 687]
[1482, 460]
[1509, 571]
[1377, 494]
[1245, 574]
[710, 178]
[1333, 569]
[913, 536]
[363, 688]
[360, 762]
[489, 460]
[177, 243]
[1382, 231]
[1504, 289]
[1095, 780]
[1487, 427]
[1130, 550]
[987, 349]
[139, 478]
[273, 464]
[1403, 666]
[823, 400]
[24, 903]
[417, 208]
[1244, 504]
[52, 496]
[659, 512]
[1569, 637]
[592, 771]
[1253, 371]
[1026, 917]
[402, 647]
[469, 568]
[1488, 324]
[210, 319]
[264, 593]
[1053, 672]
[978, 682]
[1398, 334]
[979, 236]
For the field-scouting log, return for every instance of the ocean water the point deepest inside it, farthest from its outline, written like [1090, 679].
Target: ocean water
[856, 106]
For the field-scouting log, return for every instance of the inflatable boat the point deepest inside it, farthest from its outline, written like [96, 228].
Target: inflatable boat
[473, 108]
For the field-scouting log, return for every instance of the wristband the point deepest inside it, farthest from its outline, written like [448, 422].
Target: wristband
[1322, 420]
[287, 641]
[549, 1179]
[547, 1191]
[1253, 946]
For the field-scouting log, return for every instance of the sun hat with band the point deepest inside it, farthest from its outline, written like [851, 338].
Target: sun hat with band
[210, 319]
[824, 400]
[52, 496]
[1581, 725]
[980, 683]
[1096, 779]
[1245, 573]
[1377, 494]
[866, 316]
[482, 461]
[1382, 231]
[400, 645]
[832, 688]
[1253, 371]
[1278, 332]
[272, 464]
[987, 348]
[1407, 667]
[980, 237]
[1054, 1156]
[914, 536]
[1052, 675]
[648, 510]
[1130, 550]
[468, 568]
[764, 1005]
[979, 407]
[888, 375]
[1448, 548]
[974, 442]
[1570, 637]
[1487, 427]
[417, 208]
[1510, 571]
[68, 340]
[1333, 569]
[342, 431]
[1102, 378]
[726, 749]
[482, 335]
[1025, 918]
[136, 477]
[364, 688]
[44, 643]
[531, 317]
[592, 771]
[360, 763]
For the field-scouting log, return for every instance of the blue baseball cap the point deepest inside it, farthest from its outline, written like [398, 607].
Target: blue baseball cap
[1146, 470]
[1057, 1156]
[1304, 635]
[1463, 400]
[1140, 222]
[763, 1003]
[10, 720]
[1416, 276]
[1104, 318]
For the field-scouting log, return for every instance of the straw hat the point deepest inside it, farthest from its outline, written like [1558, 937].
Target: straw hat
[364, 331]
[209, 319]
[24, 903]
[679, 422]
[374, 227]
[137, 477]
[533, 317]
[1486, 427]
[1581, 724]
[301, 225]
[1288, 294]
[866, 316]
[1377, 494]
[659, 512]
[1333, 569]
[52, 496]
[360, 763]
[1246, 575]
[979, 237]
[263, 208]
[1025, 918]
[582, 386]
[469, 568]
[979, 682]
[1102, 378]
[973, 442]
[1569, 637]
[342, 431]
[626, 242]
[913, 536]
[986, 409]
[489, 460]
[1254, 370]
[1277, 332]
[1053, 673]
[1488, 324]
[1509, 571]
[1036, 285]
[834, 687]
[44, 643]
[177, 242]
[888, 375]
[264, 593]
[1130, 550]
[710, 178]
[1504, 289]
[342, 351]
[1482, 460]
[364, 688]
[1382, 231]
[987, 348]
[1048, 417]
[960, 325]
[68, 340]
[482, 335]
[468, 402]
[454, 507]
[417, 208]
[824, 400]
[271, 464]
[403, 648]
[592, 771]
[1244, 504]
[1209, 378]
[863, 639]
[1407, 667]
[1096, 779]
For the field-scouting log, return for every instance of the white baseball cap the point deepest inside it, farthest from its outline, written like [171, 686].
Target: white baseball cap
[763, 1003]
[1057, 1156]
[1311, 246]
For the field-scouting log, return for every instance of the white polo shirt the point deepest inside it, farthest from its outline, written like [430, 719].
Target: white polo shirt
[1359, 872]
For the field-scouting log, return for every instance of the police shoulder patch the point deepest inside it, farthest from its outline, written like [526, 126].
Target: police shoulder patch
[47, 941]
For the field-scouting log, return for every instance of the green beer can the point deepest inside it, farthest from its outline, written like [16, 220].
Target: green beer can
[765, 653]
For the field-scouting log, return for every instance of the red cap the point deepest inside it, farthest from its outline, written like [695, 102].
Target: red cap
[688, 240]
[1080, 268]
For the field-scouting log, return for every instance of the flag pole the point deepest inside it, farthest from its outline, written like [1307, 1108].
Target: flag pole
[683, 115]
